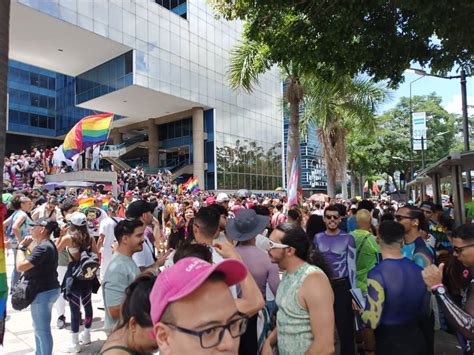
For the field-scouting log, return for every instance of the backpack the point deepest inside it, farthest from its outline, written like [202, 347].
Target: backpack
[86, 268]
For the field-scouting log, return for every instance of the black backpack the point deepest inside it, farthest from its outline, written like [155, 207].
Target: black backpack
[87, 266]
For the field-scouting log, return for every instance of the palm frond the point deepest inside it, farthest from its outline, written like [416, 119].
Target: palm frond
[248, 61]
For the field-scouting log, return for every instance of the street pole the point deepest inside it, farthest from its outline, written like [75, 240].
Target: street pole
[465, 122]
[422, 152]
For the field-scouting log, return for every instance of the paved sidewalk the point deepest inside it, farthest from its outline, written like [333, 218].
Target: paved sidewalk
[20, 338]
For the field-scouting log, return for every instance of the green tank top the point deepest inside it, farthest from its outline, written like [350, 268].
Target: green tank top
[293, 323]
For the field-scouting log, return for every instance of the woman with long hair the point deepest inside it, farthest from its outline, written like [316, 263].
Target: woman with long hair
[76, 241]
[18, 226]
[39, 268]
[134, 333]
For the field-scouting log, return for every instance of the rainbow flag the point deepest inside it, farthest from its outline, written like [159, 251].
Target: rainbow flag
[193, 185]
[87, 132]
[3, 275]
[293, 184]
[86, 202]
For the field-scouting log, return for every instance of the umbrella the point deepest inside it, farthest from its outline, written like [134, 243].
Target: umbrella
[319, 197]
[280, 189]
[242, 193]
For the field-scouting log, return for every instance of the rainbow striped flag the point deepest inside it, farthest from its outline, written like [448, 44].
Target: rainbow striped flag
[87, 132]
[3, 275]
[193, 185]
[86, 202]
[293, 184]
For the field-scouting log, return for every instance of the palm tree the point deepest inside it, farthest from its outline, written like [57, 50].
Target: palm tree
[338, 107]
[4, 44]
[249, 61]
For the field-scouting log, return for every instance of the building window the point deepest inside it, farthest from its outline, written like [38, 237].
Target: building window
[176, 6]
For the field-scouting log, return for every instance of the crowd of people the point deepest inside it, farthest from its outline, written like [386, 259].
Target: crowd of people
[217, 273]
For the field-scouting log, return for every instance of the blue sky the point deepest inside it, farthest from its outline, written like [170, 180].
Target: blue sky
[449, 90]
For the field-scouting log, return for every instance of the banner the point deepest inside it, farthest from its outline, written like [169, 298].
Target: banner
[419, 130]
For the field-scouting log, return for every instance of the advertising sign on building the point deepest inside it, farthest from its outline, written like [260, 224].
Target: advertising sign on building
[419, 130]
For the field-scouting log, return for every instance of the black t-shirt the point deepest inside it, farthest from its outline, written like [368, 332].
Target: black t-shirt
[44, 257]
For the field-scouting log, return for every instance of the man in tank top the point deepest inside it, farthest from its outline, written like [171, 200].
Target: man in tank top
[305, 318]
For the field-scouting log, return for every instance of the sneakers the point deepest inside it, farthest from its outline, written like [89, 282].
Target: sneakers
[61, 322]
[73, 346]
[85, 337]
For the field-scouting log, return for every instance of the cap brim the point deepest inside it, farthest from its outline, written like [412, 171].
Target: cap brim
[234, 271]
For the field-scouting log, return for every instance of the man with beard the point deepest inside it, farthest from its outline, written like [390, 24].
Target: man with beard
[338, 249]
[462, 320]
[122, 270]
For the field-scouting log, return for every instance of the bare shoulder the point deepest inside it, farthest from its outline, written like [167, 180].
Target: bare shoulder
[316, 278]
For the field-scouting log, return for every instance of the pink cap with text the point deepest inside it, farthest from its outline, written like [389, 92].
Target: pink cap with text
[186, 276]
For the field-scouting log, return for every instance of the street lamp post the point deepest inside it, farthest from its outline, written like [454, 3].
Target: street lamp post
[422, 75]
[465, 121]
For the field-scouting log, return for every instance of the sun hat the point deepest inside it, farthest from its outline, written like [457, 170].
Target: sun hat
[246, 225]
[186, 276]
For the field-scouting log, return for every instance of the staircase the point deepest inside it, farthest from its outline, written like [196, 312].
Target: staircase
[113, 152]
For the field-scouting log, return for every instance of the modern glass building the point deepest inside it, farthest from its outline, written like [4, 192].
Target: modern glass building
[159, 65]
[313, 169]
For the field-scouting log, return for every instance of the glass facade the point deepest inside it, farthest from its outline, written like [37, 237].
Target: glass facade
[187, 57]
[105, 78]
[313, 171]
[41, 102]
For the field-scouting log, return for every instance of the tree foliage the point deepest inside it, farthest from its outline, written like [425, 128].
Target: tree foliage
[339, 107]
[380, 38]
[389, 150]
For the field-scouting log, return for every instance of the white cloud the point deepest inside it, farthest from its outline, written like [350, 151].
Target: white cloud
[455, 104]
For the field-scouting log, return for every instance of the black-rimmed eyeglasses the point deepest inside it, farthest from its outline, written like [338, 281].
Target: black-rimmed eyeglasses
[213, 336]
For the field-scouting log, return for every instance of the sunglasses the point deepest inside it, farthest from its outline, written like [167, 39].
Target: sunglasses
[332, 217]
[399, 217]
[273, 245]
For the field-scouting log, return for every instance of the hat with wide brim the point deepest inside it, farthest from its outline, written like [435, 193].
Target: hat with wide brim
[246, 225]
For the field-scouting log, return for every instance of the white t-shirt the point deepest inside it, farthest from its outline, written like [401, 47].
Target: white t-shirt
[106, 227]
[144, 258]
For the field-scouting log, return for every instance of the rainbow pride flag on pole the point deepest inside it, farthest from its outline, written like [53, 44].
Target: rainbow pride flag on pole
[192, 185]
[87, 132]
[293, 184]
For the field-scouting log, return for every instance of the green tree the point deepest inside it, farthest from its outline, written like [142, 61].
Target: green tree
[380, 38]
[251, 59]
[338, 107]
[394, 153]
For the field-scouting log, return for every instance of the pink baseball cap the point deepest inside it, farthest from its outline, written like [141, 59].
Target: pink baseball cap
[210, 200]
[186, 276]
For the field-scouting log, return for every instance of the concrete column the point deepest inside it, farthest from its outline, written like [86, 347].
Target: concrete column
[152, 144]
[198, 145]
[116, 136]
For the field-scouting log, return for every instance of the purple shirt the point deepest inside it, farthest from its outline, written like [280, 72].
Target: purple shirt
[339, 253]
[260, 266]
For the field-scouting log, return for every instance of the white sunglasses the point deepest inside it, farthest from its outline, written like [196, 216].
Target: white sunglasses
[273, 245]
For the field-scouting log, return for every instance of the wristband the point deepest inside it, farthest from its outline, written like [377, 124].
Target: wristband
[22, 248]
[434, 287]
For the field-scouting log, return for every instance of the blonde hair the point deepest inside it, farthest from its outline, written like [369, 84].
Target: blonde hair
[363, 217]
